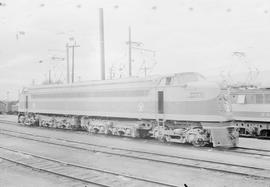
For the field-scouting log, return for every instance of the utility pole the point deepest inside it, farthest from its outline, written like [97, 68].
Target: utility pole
[111, 72]
[101, 40]
[144, 64]
[131, 45]
[7, 96]
[129, 53]
[50, 80]
[145, 69]
[73, 56]
[7, 101]
[67, 63]
[72, 73]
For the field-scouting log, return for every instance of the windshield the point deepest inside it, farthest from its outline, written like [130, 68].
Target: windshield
[188, 77]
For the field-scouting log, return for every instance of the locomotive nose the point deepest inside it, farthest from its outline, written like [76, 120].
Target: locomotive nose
[221, 104]
[210, 89]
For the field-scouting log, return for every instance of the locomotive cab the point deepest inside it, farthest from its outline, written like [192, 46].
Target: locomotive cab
[193, 103]
[190, 94]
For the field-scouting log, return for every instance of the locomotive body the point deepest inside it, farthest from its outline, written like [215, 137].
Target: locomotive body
[251, 111]
[138, 107]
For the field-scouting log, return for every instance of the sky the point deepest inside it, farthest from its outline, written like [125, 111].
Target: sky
[213, 37]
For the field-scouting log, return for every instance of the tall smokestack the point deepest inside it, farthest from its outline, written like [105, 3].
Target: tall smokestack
[101, 39]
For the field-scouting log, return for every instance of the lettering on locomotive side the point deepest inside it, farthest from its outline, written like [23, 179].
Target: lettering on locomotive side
[265, 114]
[196, 95]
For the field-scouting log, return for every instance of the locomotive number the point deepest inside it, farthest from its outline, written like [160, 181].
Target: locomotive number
[196, 95]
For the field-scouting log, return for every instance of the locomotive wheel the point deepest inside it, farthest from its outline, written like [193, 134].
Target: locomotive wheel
[143, 133]
[36, 123]
[162, 139]
[108, 132]
[121, 133]
[21, 120]
[95, 130]
[198, 142]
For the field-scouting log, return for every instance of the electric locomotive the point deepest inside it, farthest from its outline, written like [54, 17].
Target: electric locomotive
[182, 108]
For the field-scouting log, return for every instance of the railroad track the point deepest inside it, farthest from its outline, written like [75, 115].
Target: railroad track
[250, 151]
[235, 169]
[85, 174]
[241, 150]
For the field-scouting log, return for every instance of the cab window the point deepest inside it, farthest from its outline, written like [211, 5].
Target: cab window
[241, 99]
[259, 98]
[267, 98]
[251, 99]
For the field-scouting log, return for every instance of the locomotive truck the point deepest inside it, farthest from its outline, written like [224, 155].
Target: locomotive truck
[181, 108]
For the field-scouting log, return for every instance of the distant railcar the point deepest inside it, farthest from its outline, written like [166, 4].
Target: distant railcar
[179, 108]
[9, 107]
[12, 107]
[3, 107]
[251, 111]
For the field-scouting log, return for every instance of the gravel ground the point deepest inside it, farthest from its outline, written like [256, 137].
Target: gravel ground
[173, 174]
[18, 176]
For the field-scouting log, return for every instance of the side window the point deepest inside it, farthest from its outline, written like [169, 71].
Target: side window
[165, 81]
[241, 99]
[168, 80]
[251, 99]
[267, 98]
[259, 98]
